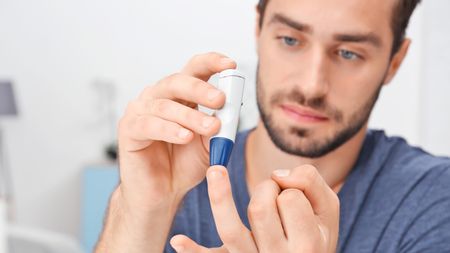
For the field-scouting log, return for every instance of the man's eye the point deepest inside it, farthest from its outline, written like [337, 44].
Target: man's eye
[289, 41]
[348, 55]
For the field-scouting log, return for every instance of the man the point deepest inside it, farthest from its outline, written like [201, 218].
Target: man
[310, 177]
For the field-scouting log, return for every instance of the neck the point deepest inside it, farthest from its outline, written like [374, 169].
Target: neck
[263, 157]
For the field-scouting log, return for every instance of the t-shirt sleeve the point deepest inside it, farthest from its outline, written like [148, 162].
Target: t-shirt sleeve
[429, 230]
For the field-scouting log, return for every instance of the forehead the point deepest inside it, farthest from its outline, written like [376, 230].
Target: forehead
[327, 17]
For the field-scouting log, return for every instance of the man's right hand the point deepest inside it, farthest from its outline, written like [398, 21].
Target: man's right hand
[163, 153]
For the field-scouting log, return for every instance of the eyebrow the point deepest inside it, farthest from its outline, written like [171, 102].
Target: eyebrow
[279, 18]
[369, 37]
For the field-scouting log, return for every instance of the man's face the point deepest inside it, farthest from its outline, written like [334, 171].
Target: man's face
[321, 67]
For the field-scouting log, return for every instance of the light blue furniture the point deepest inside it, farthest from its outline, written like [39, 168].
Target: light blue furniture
[98, 184]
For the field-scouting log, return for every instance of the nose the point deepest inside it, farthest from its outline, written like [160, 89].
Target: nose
[314, 82]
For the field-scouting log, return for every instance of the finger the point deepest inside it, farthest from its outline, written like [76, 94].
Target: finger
[299, 222]
[203, 66]
[324, 201]
[138, 132]
[264, 218]
[235, 236]
[185, 116]
[306, 178]
[186, 89]
[184, 244]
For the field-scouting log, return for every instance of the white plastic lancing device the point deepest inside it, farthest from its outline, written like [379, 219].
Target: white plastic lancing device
[231, 82]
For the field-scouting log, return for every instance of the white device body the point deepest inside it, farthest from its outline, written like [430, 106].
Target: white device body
[3, 227]
[231, 82]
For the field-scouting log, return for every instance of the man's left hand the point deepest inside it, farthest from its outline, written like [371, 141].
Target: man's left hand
[295, 211]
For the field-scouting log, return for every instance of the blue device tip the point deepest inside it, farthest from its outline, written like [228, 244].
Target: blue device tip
[220, 151]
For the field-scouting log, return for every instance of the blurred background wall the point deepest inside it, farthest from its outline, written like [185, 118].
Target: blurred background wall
[64, 56]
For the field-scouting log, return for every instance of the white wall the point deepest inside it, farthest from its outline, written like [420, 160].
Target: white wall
[416, 105]
[54, 49]
[397, 109]
[435, 110]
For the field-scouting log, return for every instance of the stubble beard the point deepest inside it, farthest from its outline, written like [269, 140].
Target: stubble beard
[298, 140]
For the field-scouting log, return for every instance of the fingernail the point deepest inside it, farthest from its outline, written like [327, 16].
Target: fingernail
[281, 173]
[183, 133]
[226, 61]
[213, 94]
[178, 248]
[207, 122]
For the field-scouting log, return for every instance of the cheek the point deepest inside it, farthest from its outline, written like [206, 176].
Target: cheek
[271, 73]
[276, 73]
[352, 88]
[275, 64]
[353, 98]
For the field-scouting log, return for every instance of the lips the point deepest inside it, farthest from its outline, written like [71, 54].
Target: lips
[303, 114]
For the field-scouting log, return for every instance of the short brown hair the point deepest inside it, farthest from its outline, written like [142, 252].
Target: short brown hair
[400, 19]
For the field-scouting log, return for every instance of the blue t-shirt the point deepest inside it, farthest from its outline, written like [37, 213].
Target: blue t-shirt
[395, 199]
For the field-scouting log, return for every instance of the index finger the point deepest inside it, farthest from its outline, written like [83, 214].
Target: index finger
[203, 66]
[235, 236]
[306, 178]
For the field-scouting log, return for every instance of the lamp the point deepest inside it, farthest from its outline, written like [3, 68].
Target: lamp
[7, 108]
[7, 101]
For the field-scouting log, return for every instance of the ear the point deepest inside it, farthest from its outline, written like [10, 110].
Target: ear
[397, 61]
[257, 28]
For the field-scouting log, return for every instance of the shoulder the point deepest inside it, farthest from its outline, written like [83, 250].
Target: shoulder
[391, 169]
[405, 191]
[399, 157]
[417, 178]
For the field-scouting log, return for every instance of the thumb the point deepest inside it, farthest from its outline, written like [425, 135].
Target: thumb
[184, 244]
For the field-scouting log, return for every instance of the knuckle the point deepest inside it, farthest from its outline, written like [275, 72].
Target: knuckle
[258, 206]
[189, 115]
[140, 124]
[149, 88]
[214, 54]
[170, 82]
[257, 209]
[195, 87]
[230, 236]
[211, 53]
[125, 124]
[309, 175]
[196, 58]
[131, 107]
[268, 183]
[148, 91]
[271, 185]
[267, 186]
[199, 86]
[310, 172]
[159, 107]
[157, 128]
[289, 195]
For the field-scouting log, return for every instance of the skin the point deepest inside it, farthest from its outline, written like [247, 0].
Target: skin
[162, 136]
[315, 66]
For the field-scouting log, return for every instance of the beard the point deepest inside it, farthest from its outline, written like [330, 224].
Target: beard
[299, 141]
